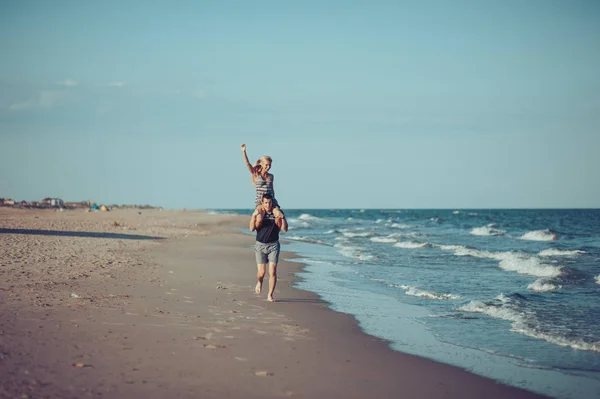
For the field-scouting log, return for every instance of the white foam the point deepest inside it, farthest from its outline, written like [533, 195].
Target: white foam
[499, 312]
[523, 324]
[456, 212]
[305, 239]
[331, 232]
[542, 285]
[488, 230]
[428, 294]
[383, 239]
[512, 261]
[308, 217]
[401, 226]
[353, 252]
[539, 235]
[451, 247]
[597, 278]
[352, 235]
[464, 251]
[395, 235]
[558, 252]
[299, 223]
[411, 244]
[529, 265]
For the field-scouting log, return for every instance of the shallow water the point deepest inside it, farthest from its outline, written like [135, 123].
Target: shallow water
[510, 294]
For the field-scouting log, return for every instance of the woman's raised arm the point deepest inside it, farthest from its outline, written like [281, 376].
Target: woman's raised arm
[248, 165]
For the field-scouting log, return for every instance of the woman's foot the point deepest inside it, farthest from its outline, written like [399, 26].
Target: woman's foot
[258, 288]
[270, 299]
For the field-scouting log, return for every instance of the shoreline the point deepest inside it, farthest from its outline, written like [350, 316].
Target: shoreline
[186, 322]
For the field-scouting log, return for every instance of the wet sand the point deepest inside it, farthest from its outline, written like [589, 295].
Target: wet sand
[155, 304]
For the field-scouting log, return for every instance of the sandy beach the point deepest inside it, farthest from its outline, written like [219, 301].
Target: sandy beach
[154, 303]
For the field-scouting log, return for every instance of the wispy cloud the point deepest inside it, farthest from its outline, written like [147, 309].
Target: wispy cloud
[68, 83]
[116, 84]
[45, 99]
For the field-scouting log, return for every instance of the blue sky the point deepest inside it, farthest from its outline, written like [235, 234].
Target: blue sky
[433, 104]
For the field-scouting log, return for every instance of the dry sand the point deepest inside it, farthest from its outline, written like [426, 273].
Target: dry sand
[156, 304]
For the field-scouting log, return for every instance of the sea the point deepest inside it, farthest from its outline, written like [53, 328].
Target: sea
[513, 295]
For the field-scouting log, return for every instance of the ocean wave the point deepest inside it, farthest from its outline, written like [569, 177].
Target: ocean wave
[383, 239]
[597, 278]
[540, 235]
[401, 226]
[511, 261]
[413, 291]
[542, 285]
[354, 252]
[331, 232]
[297, 223]
[305, 239]
[309, 218]
[457, 212]
[411, 244]
[488, 230]
[412, 234]
[529, 265]
[450, 247]
[526, 324]
[353, 235]
[558, 252]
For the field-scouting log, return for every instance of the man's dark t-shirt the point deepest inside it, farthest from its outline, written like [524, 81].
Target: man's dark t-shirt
[268, 231]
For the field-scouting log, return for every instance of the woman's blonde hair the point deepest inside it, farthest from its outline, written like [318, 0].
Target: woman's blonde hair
[257, 168]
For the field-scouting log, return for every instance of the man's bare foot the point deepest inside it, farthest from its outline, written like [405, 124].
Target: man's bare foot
[258, 288]
[270, 299]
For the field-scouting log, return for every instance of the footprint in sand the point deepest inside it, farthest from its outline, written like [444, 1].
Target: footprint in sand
[211, 346]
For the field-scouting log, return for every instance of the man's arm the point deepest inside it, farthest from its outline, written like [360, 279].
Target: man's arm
[256, 219]
[281, 222]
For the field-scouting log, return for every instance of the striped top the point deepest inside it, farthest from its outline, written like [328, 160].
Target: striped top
[263, 187]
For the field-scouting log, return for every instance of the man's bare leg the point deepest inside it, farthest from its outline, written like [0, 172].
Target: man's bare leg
[272, 281]
[260, 275]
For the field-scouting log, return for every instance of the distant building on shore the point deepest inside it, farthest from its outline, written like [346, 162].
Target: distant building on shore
[53, 202]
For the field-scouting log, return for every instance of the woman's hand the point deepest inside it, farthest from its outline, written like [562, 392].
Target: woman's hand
[258, 211]
[277, 213]
[243, 147]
